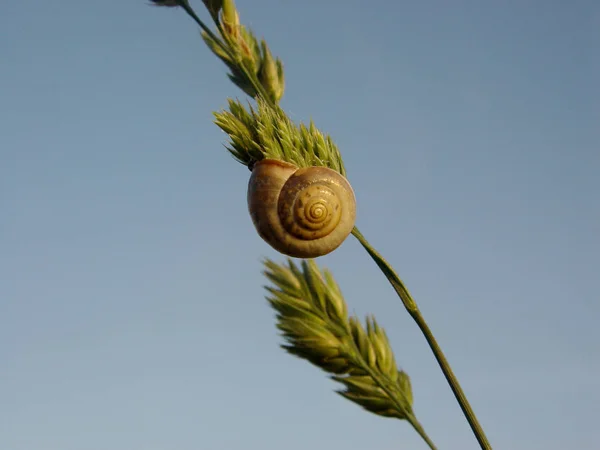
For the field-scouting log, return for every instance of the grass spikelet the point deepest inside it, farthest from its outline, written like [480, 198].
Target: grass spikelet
[312, 316]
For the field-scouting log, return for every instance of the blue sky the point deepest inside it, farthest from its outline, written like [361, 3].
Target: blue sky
[132, 313]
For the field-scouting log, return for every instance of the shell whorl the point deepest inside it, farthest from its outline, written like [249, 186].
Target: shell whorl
[303, 213]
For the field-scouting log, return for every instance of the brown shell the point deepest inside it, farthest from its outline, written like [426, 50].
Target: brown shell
[303, 213]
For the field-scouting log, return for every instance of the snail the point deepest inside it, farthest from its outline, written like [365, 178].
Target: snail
[300, 212]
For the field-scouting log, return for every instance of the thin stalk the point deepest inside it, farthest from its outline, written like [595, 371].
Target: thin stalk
[419, 429]
[251, 77]
[413, 310]
[190, 12]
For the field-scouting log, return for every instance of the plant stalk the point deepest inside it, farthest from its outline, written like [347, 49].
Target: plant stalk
[413, 310]
[421, 431]
[258, 87]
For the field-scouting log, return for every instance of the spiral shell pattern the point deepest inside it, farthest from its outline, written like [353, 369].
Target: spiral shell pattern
[303, 213]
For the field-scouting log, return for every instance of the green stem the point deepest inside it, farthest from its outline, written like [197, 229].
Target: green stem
[413, 310]
[250, 76]
[419, 429]
[190, 12]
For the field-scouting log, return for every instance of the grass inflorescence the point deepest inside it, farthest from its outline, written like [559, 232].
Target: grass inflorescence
[313, 318]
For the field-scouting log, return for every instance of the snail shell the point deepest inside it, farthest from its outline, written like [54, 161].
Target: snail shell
[304, 213]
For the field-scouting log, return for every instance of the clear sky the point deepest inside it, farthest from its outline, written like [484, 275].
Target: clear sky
[132, 313]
